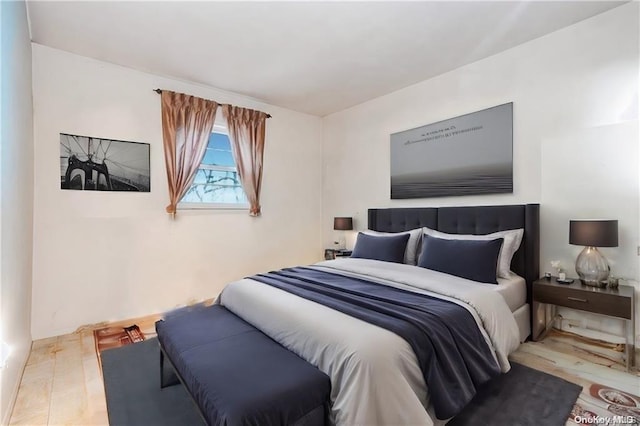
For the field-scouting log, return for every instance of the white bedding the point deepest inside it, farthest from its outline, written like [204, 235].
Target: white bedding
[513, 290]
[374, 373]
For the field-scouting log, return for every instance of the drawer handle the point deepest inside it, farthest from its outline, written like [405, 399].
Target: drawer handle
[576, 299]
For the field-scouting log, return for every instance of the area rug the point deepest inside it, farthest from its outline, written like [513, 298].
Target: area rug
[132, 384]
[114, 337]
[522, 397]
[605, 402]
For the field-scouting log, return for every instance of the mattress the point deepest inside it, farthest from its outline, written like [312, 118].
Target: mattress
[523, 319]
[513, 290]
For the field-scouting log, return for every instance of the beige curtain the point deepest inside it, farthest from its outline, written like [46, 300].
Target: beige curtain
[246, 133]
[187, 123]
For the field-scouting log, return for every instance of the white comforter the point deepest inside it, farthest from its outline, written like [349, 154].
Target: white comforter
[374, 373]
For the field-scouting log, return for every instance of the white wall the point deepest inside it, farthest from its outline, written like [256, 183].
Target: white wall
[601, 181]
[108, 256]
[579, 81]
[16, 198]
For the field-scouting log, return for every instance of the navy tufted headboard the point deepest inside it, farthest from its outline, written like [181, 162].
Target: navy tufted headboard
[473, 220]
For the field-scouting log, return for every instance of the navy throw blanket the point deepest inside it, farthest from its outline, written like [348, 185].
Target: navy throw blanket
[452, 353]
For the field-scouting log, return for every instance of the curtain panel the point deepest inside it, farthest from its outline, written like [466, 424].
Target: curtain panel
[187, 122]
[246, 133]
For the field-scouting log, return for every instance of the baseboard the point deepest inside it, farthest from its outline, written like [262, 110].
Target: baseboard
[14, 393]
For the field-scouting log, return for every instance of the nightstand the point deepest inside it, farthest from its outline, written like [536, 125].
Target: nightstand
[330, 254]
[617, 303]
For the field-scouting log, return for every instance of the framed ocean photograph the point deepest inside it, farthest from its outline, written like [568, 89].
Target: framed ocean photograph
[466, 155]
[96, 164]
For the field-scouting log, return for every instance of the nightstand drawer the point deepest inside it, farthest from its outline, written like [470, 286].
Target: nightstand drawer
[585, 300]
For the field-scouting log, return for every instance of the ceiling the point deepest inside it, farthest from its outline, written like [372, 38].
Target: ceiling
[314, 57]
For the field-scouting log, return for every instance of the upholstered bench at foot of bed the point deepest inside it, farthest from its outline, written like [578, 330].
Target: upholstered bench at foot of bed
[239, 376]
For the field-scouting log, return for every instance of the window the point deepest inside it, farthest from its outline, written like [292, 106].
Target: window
[216, 184]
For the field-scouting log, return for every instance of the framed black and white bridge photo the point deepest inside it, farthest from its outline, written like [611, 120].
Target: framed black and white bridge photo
[97, 164]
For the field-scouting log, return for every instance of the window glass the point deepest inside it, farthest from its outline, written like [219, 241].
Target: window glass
[216, 181]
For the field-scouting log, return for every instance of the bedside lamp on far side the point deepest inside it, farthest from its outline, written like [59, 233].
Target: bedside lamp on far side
[342, 224]
[591, 265]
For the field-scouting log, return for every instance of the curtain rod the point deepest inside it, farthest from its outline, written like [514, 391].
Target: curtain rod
[159, 91]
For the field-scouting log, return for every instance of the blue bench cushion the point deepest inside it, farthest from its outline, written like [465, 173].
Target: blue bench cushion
[236, 374]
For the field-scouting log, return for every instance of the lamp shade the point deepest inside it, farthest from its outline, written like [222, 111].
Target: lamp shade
[593, 233]
[343, 223]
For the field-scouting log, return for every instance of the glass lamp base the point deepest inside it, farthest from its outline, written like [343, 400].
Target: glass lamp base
[592, 267]
[601, 284]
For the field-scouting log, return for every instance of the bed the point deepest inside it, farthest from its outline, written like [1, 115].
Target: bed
[376, 377]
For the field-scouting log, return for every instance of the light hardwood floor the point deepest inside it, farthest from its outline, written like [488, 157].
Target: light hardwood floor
[62, 383]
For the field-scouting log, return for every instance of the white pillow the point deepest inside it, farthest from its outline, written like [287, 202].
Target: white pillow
[415, 238]
[512, 241]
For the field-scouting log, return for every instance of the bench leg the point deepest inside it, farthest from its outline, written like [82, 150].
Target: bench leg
[167, 378]
[162, 385]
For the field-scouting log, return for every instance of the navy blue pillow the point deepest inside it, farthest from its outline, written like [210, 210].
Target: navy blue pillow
[475, 260]
[388, 248]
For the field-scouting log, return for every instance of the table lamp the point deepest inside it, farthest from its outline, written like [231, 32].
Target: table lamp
[342, 224]
[591, 265]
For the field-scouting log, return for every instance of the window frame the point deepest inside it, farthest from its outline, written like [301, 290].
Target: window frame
[220, 128]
